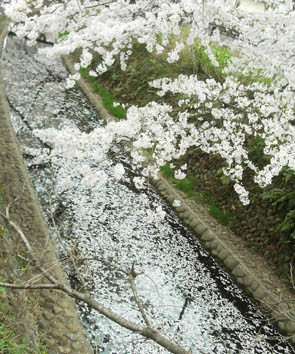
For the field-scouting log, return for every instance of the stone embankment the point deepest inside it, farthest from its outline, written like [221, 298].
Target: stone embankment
[248, 269]
[47, 312]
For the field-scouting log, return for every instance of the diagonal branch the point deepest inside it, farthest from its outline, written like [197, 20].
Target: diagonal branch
[147, 332]
[131, 276]
[28, 286]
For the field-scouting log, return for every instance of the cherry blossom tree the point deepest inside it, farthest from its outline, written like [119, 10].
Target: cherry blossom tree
[217, 117]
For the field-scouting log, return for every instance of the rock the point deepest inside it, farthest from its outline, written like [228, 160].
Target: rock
[238, 271]
[230, 262]
[259, 293]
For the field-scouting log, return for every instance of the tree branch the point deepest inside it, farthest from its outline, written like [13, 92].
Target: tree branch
[131, 276]
[147, 332]
[28, 286]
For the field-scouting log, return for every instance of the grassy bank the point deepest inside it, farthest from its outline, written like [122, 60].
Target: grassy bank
[268, 223]
[12, 340]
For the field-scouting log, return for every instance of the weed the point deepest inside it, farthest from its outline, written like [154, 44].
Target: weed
[106, 97]
[186, 185]
[167, 170]
[222, 56]
[63, 34]
[220, 215]
[8, 343]
[283, 200]
[8, 318]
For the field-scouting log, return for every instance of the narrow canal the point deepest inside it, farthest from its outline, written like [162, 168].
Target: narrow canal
[185, 293]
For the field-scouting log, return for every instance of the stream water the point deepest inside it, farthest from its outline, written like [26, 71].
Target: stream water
[185, 293]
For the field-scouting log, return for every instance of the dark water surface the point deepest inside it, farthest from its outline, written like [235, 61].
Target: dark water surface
[185, 293]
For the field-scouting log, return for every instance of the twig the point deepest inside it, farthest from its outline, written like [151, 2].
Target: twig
[292, 275]
[131, 276]
[98, 259]
[147, 332]
[28, 286]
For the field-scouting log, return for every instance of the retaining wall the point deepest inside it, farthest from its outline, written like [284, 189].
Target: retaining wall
[51, 313]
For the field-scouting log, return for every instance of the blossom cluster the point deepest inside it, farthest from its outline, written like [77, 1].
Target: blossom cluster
[108, 29]
[216, 117]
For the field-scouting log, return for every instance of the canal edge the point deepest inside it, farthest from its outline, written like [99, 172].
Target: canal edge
[227, 248]
[49, 314]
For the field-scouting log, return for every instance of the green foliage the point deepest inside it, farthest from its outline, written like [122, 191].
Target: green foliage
[259, 75]
[9, 320]
[167, 170]
[140, 48]
[106, 97]
[225, 180]
[255, 147]
[220, 215]
[2, 231]
[222, 56]
[8, 342]
[283, 200]
[63, 34]
[186, 185]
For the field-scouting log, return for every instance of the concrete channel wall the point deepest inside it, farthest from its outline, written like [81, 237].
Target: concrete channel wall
[49, 312]
[249, 270]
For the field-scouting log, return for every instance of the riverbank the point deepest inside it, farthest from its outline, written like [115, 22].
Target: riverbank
[47, 321]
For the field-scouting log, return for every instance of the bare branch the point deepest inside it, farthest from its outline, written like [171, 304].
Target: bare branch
[28, 286]
[147, 332]
[99, 259]
[131, 276]
[28, 246]
[292, 276]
